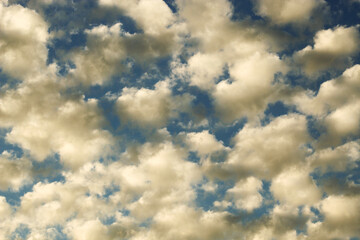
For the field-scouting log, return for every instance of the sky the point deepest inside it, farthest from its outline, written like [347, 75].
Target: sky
[179, 119]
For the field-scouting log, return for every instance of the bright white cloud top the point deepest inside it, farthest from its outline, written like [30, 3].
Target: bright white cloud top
[179, 119]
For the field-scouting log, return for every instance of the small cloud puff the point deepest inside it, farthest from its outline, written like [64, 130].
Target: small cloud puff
[286, 11]
[330, 50]
[151, 107]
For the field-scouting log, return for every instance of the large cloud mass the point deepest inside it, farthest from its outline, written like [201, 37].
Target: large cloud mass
[179, 120]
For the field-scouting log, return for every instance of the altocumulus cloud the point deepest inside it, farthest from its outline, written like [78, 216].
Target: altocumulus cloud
[179, 119]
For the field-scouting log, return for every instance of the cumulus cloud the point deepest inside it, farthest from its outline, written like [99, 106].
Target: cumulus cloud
[204, 68]
[260, 151]
[43, 122]
[23, 37]
[246, 194]
[184, 222]
[295, 187]
[283, 12]
[336, 105]
[203, 142]
[249, 94]
[143, 13]
[178, 120]
[341, 218]
[330, 50]
[151, 107]
[336, 159]
[16, 172]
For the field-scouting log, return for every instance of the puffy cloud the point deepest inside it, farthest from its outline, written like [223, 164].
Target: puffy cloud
[15, 172]
[23, 37]
[5, 209]
[295, 187]
[102, 57]
[336, 159]
[341, 218]
[163, 178]
[287, 11]
[143, 13]
[345, 120]
[266, 151]
[332, 94]
[150, 188]
[342, 212]
[88, 230]
[151, 107]
[52, 204]
[183, 222]
[331, 47]
[203, 142]
[43, 122]
[249, 94]
[246, 193]
[108, 47]
[203, 69]
[207, 21]
[336, 105]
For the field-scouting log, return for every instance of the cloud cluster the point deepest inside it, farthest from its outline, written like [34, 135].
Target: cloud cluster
[23, 38]
[331, 49]
[284, 12]
[178, 120]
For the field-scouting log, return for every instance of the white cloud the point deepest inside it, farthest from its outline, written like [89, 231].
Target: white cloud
[336, 159]
[44, 122]
[143, 13]
[121, 187]
[331, 47]
[204, 68]
[341, 218]
[286, 11]
[149, 107]
[246, 194]
[203, 142]
[15, 172]
[23, 37]
[336, 105]
[5, 209]
[250, 93]
[87, 230]
[183, 222]
[102, 57]
[266, 151]
[295, 187]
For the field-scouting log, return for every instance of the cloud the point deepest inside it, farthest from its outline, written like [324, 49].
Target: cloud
[341, 218]
[336, 105]
[252, 88]
[260, 151]
[44, 122]
[23, 38]
[336, 159]
[178, 120]
[109, 48]
[151, 107]
[330, 50]
[246, 194]
[143, 13]
[87, 230]
[203, 142]
[284, 12]
[16, 172]
[183, 222]
[204, 68]
[295, 187]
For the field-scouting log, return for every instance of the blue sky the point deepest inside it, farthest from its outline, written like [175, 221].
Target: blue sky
[179, 119]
